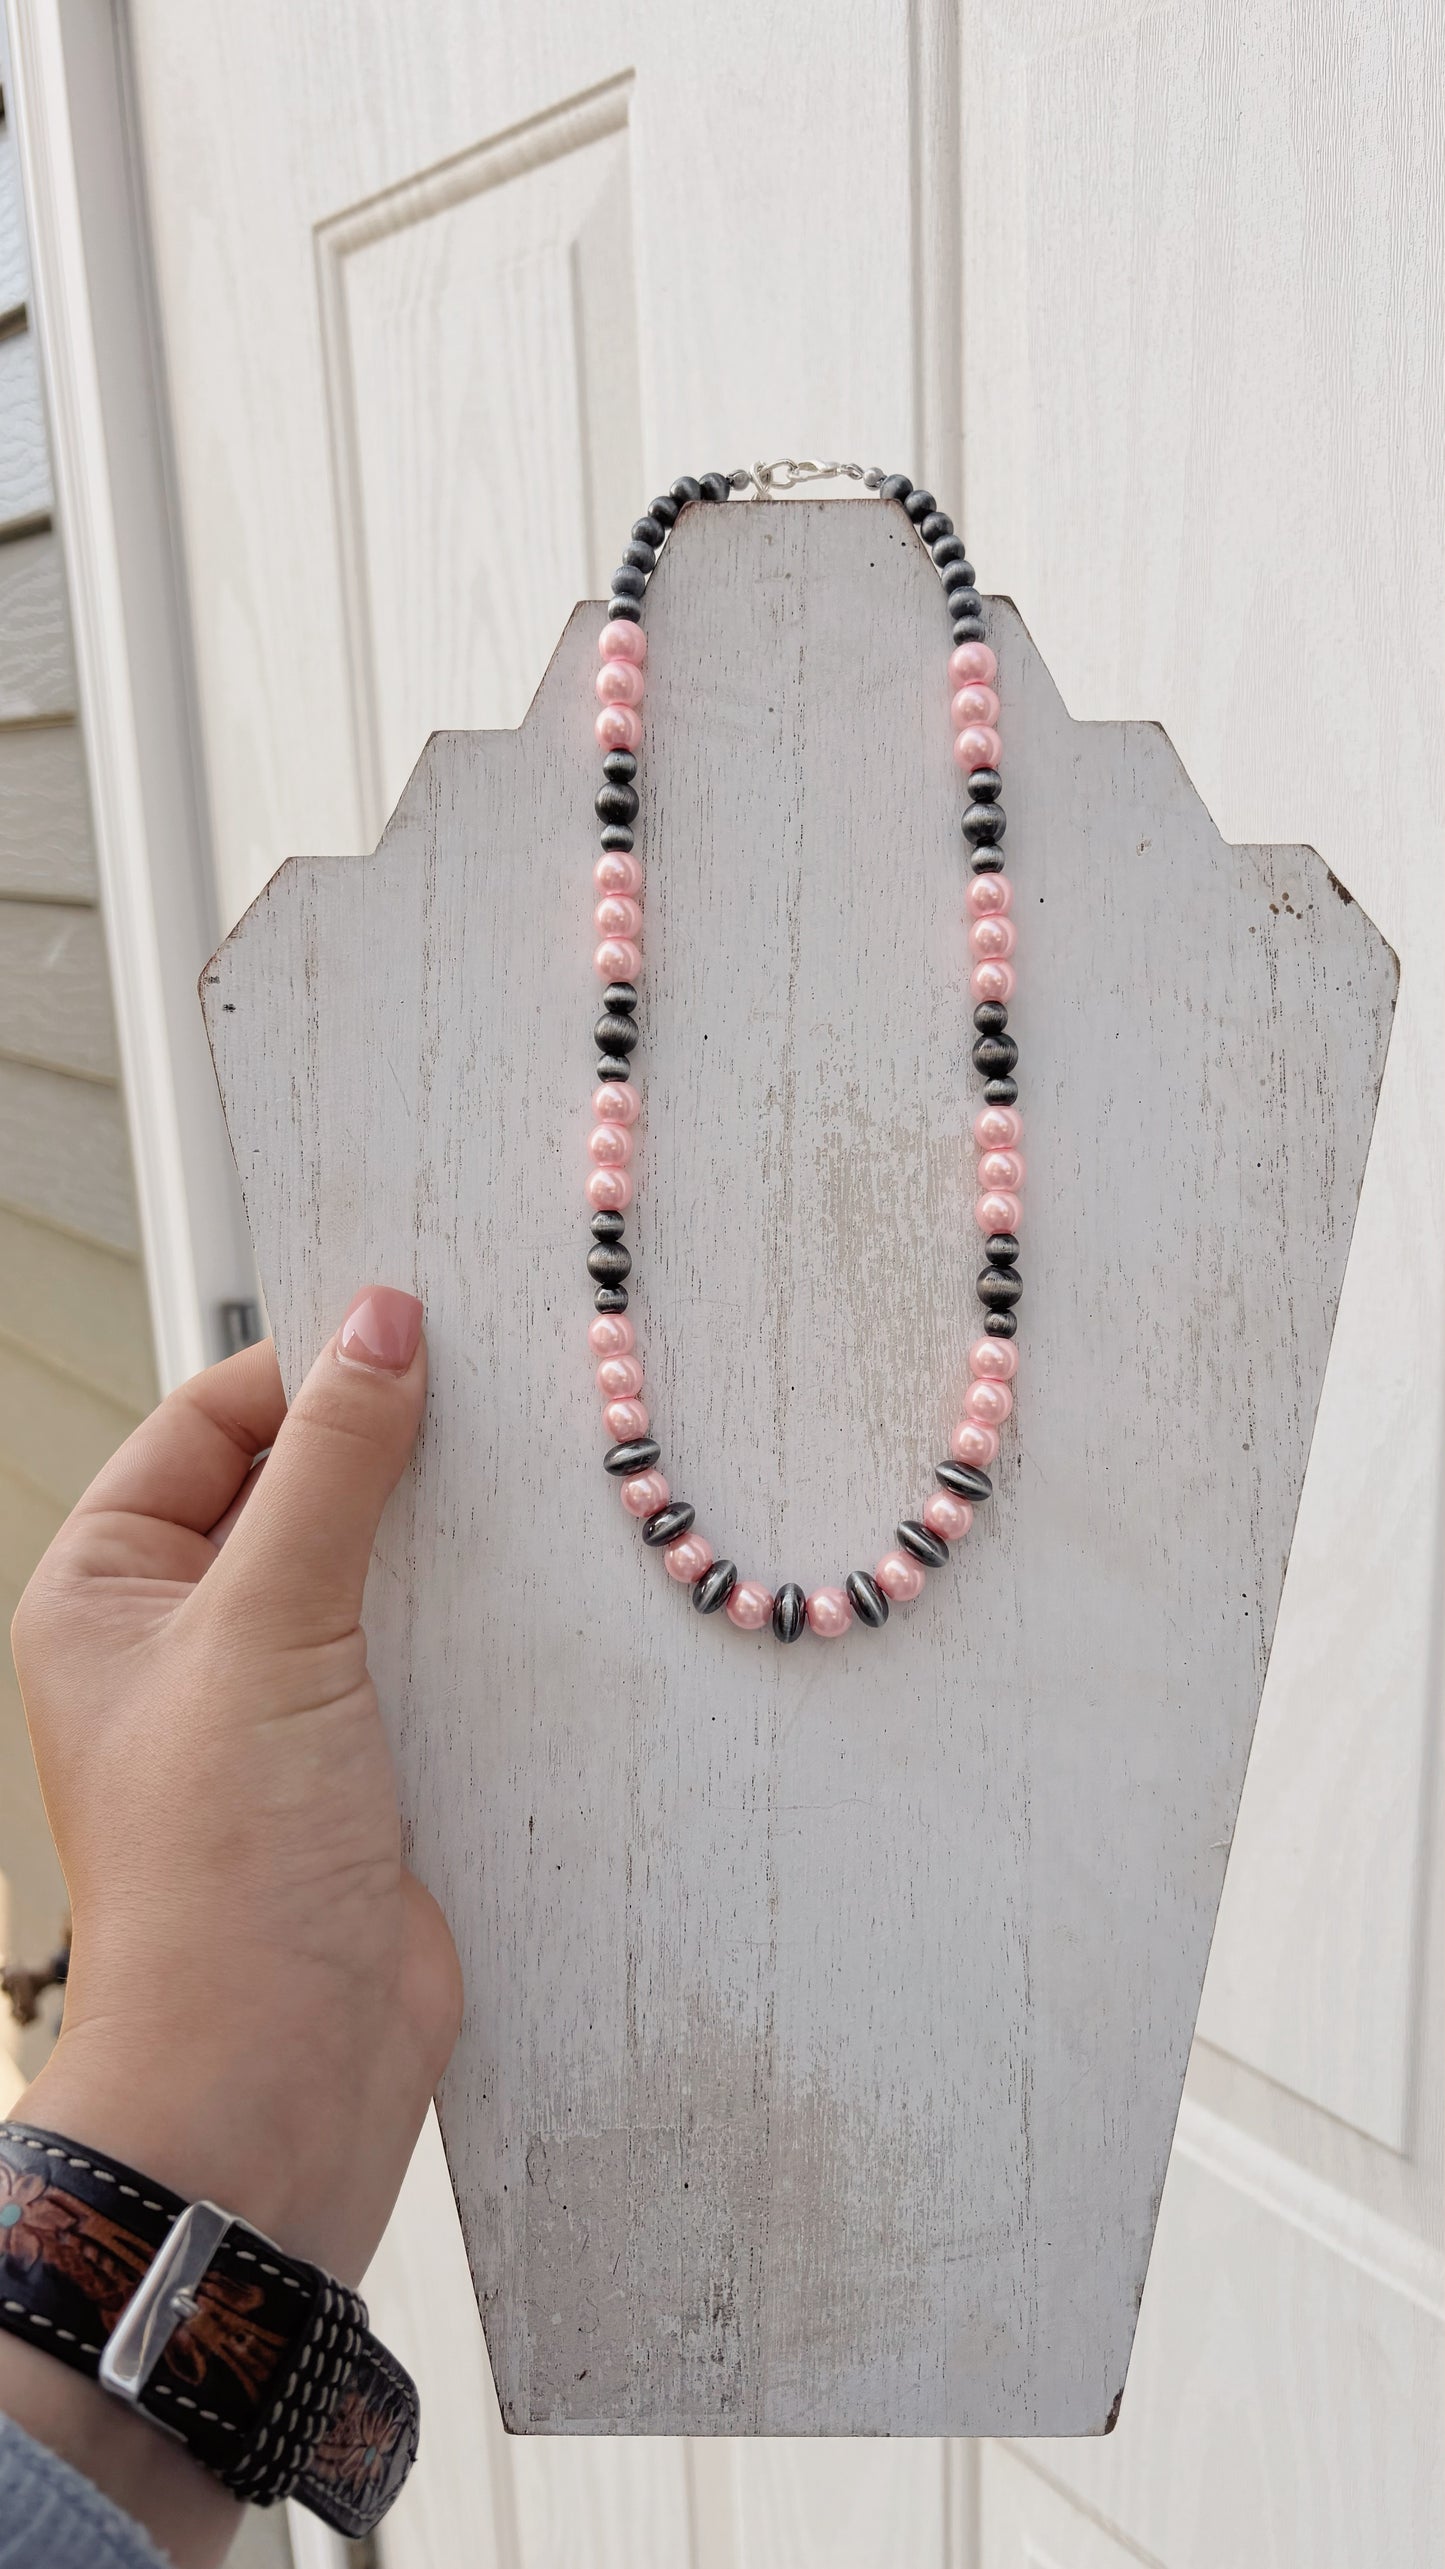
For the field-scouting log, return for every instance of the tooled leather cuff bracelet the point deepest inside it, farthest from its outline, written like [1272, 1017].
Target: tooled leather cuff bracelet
[261, 2364]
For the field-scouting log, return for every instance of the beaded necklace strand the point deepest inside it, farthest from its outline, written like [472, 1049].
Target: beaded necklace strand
[668, 1524]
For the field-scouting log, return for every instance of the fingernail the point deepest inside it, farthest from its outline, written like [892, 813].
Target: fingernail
[381, 1330]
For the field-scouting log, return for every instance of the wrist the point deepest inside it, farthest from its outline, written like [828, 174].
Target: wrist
[184, 2119]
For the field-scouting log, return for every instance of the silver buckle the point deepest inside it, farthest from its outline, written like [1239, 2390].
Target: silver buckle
[162, 2301]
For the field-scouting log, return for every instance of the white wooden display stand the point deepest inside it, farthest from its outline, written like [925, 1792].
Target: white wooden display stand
[828, 2007]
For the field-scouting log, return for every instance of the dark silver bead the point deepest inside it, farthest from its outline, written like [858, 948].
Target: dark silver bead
[866, 1599]
[948, 549]
[615, 802]
[896, 487]
[965, 567]
[628, 581]
[925, 1547]
[1002, 1249]
[715, 1587]
[638, 1454]
[962, 600]
[999, 1288]
[991, 1017]
[985, 784]
[665, 509]
[607, 1226]
[967, 628]
[918, 505]
[668, 1524]
[620, 998]
[994, 1053]
[790, 1611]
[686, 491]
[935, 526]
[987, 860]
[616, 834]
[626, 609]
[619, 767]
[1001, 1324]
[714, 486]
[609, 1262]
[984, 824]
[615, 1033]
[641, 558]
[613, 1066]
[964, 1481]
[610, 1298]
[649, 530]
[1000, 1092]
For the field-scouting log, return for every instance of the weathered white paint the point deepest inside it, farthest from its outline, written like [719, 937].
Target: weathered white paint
[828, 2010]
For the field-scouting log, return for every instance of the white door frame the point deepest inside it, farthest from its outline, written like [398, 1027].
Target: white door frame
[104, 382]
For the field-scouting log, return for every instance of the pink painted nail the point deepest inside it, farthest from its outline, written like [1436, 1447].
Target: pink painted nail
[381, 1330]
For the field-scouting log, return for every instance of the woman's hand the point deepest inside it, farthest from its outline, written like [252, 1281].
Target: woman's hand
[261, 1998]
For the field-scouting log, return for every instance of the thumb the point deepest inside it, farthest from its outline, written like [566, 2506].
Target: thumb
[300, 1550]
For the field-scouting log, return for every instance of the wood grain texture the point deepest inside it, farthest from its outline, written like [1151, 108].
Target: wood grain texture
[827, 2013]
[37, 672]
[55, 988]
[64, 1154]
[45, 842]
[79, 1307]
[1205, 358]
[24, 455]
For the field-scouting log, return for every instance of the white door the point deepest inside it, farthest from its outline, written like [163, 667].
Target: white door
[1150, 291]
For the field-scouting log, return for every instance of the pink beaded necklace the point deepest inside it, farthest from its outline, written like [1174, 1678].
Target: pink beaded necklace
[668, 1524]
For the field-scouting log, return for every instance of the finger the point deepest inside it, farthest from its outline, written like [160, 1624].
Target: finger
[187, 1461]
[299, 1553]
[226, 1525]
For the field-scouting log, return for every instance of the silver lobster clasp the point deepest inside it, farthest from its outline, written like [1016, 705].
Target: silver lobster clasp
[769, 479]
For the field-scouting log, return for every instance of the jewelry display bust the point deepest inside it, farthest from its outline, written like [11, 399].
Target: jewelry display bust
[828, 2007]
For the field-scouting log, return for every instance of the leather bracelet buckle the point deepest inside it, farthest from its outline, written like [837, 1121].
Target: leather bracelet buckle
[165, 2297]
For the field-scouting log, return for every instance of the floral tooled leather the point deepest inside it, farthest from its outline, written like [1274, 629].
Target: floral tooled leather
[271, 2378]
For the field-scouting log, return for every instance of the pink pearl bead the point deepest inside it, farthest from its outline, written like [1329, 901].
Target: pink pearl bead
[750, 1606]
[611, 1145]
[615, 1101]
[643, 1493]
[616, 871]
[619, 959]
[621, 641]
[994, 1360]
[618, 682]
[988, 894]
[989, 1403]
[979, 746]
[974, 705]
[1001, 1172]
[997, 1128]
[996, 1211]
[948, 1516]
[987, 938]
[619, 1377]
[619, 917]
[972, 664]
[993, 981]
[829, 1613]
[900, 1577]
[620, 727]
[610, 1190]
[687, 1558]
[971, 1443]
[624, 1419]
[611, 1334]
